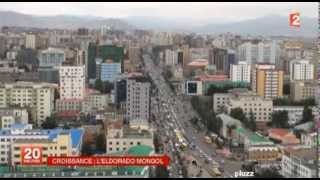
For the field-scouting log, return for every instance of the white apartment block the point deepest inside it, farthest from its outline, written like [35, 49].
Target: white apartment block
[95, 101]
[31, 41]
[240, 72]
[39, 97]
[309, 139]
[261, 52]
[299, 163]
[138, 100]
[10, 116]
[54, 142]
[219, 101]
[120, 137]
[8, 136]
[51, 57]
[171, 57]
[72, 82]
[260, 107]
[301, 70]
[294, 112]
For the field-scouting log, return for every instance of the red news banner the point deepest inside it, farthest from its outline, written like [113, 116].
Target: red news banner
[109, 161]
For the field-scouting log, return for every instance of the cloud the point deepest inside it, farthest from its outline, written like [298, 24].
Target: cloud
[192, 10]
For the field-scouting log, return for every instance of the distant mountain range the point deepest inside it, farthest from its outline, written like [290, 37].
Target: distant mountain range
[8, 18]
[268, 25]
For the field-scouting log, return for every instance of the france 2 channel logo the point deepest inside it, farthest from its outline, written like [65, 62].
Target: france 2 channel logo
[294, 19]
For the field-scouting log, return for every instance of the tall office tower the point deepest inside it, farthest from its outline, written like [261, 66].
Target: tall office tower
[104, 52]
[135, 55]
[107, 71]
[31, 41]
[80, 57]
[267, 81]
[240, 72]
[259, 52]
[120, 88]
[219, 58]
[51, 57]
[37, 97]
[138, 101]
[185, 55]
[2, 45]
[72, 82]
[301, 70]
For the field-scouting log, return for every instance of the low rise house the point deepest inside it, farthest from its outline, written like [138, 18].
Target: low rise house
[120, 137]
[256, 147]
[284, 136]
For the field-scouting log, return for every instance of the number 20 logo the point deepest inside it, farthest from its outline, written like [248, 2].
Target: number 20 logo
[31, 155]
[294, 19]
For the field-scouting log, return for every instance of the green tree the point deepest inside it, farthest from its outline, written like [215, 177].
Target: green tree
[286, 89]
[238, 113]
[101, 142]
[162, 172]
[86, 149]
[66, 126]
[268, 173]
[251, 123]
[307, 115]
[98, 85]
[107, 87]
[49, 123]
[167, 73]
[280, 119]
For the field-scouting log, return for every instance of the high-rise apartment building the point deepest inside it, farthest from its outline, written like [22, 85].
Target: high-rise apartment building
[267, 81]
[72, 82]
[31, 41]
[240, 72]
[138, 101]
[259, 52]
[51, 57]
[301, 70]
[107, 71]
[115, 53]
[260, 107]
[301, 90]
[171, 57]
[38, 97]
[219, 58]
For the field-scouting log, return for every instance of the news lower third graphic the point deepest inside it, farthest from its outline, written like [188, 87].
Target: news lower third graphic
[33, 156]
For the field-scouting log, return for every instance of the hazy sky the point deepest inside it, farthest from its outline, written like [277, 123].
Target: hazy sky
[193, 10]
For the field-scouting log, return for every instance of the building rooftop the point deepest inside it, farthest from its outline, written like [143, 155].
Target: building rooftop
[33, 141]
[256, 138]
[279, 131]
[29, 84]
[141, 150]
[212, 78]
[141, 79]
[199, 63]
[76, 134]
[134, 133]
[68, 113]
